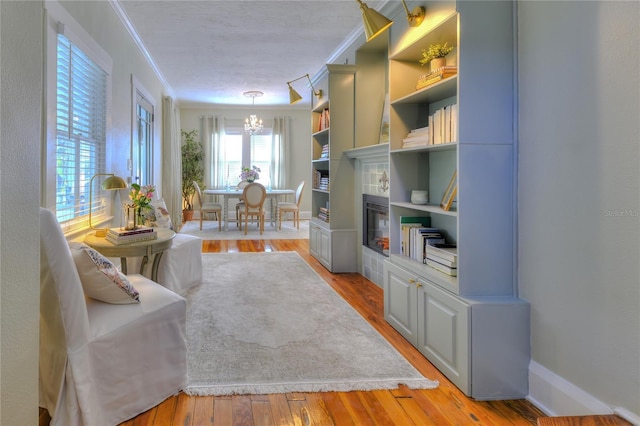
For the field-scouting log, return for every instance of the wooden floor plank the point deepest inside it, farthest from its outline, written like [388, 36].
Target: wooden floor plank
[261, 412]
[280, 409]
[203, 411]
[222, 412]
[166, 411]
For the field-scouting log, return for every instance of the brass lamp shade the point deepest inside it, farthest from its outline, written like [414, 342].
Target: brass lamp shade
[293, 95]
[114, 182]
[374, 23]
[110, 183]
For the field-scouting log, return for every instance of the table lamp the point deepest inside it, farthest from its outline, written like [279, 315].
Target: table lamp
[110, 183]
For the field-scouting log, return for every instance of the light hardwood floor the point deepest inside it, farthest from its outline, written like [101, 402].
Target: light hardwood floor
[443, 406]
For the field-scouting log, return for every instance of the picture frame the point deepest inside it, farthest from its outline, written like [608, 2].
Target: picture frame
[450, 193]
[384, 121]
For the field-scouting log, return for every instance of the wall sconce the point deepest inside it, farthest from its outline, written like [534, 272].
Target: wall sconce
[295, 96]
[375, 23]
[110, 183]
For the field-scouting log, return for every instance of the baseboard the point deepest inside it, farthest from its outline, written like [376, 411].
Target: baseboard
[556, 396]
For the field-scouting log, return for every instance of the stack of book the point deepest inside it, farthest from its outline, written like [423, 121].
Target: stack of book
[417, 138]
[323, 214]
[325, 152]
[443, 257]
[436, 76]
[119, 236]
[321, 180]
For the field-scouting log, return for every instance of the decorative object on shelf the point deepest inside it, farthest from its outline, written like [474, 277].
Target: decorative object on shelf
[192, 170]
[250, 174]
[419, 197]
[374, 23]
[450, 193]
[110, 183]
[295, 96]
[253, 125]
[437, 53]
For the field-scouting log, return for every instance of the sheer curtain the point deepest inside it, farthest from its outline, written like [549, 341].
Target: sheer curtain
[279, 159]
[171, 161]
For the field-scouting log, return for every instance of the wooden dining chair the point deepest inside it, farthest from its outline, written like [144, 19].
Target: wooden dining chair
[288, 207]
[253, 197]
[207, 207]
[240, 204]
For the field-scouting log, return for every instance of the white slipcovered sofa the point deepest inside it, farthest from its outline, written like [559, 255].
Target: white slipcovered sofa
[103, 363]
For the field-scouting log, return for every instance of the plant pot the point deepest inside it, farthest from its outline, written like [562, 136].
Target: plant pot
[437, 63]
[187, 215]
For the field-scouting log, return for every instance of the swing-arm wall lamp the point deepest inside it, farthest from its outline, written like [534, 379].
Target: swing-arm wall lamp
[295, 96]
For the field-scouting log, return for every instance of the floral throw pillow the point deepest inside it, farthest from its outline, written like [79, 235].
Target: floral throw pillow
[163, 219]
[100, 278]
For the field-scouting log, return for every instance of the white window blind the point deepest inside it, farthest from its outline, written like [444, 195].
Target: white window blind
[80, 131]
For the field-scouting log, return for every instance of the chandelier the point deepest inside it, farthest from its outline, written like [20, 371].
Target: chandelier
[253, 124]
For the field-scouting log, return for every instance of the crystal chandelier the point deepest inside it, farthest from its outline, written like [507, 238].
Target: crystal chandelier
[253, 124]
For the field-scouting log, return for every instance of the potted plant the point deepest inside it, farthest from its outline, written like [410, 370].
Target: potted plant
[435, 55]
[192, 170]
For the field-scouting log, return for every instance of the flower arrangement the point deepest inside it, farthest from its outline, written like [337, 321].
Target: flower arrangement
[435, 51]
[250, 174]
[141, 196]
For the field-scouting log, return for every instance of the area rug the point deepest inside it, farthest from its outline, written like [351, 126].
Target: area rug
[264, 323]
[210, 231]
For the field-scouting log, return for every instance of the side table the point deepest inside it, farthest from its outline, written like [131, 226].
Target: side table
[140, 248]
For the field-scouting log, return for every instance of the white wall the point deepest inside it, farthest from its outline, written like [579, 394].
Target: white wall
[21, 132]
[298, 168]
[21, 82]
[579, 204]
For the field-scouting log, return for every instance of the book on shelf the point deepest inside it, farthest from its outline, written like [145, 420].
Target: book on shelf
[416, 138]
[422, 220]
[323, 121]
[441, 260]
[447, 252]
[323, 214]
[442, 268]
[436, 76]
[443, 125]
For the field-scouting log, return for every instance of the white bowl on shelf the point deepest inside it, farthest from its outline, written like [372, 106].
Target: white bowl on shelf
[419, 197]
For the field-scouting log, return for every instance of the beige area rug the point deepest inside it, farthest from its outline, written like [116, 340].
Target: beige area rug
[210, 231]
[265, 323]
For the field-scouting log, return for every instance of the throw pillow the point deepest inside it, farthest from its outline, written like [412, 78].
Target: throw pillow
[163, 219]
[100, 278]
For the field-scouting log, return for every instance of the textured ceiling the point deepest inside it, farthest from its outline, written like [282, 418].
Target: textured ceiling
[212, 51]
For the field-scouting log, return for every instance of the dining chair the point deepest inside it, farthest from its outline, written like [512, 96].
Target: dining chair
[285, 207]
[240, 204]
[253, 195]
[208, 207]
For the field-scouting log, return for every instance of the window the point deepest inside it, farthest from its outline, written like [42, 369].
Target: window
[241, 149]
[142, 135]
[81, 116]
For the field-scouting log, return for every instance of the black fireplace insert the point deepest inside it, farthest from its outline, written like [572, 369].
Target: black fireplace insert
[375, 223]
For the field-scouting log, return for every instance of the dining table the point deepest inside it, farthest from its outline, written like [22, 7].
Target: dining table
[272, 194]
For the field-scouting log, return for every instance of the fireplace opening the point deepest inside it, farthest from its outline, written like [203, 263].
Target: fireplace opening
[375, 223]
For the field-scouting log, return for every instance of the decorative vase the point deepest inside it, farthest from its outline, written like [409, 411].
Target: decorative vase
[419, 197]
[437, 63]
[131, 214]
[251, 180]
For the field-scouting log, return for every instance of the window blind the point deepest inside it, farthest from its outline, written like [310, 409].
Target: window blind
[80, 131]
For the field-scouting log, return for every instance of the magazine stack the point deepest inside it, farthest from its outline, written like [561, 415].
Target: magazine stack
[443, 257]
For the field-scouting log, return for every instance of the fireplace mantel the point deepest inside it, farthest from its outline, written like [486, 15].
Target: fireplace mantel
[366, 152]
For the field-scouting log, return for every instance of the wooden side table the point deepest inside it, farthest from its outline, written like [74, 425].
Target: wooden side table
[146, 249]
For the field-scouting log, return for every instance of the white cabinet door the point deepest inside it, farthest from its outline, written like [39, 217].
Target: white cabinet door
[400, 301]
[443, 333]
